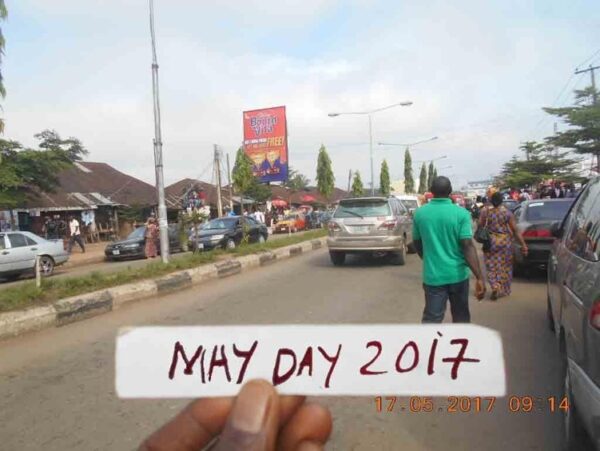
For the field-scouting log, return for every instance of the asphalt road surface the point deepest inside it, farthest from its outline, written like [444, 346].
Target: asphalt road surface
[57, 386]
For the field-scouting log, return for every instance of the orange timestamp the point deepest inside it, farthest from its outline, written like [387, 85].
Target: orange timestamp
[471, 404]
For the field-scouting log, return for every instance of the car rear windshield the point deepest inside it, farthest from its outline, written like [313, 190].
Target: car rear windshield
[137, 234]
[547, 211]
[362, 208]
[221, 224]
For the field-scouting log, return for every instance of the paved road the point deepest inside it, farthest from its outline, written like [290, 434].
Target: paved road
[57, 393]
[105, 267]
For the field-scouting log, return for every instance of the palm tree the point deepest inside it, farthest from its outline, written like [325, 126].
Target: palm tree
[3, 15]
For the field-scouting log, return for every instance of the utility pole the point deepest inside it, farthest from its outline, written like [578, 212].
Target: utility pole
[158, 157]
[230, 186]
[591, 70]
[349, 179]
[218, 178]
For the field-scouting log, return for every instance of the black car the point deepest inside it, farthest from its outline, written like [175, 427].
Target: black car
[134, 245]
[228, 232]
[534, 219]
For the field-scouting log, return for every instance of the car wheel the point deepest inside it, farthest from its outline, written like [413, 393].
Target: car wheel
[337, 258]
[230, 244]
[574, 435]
[549, 316]
[46, 265]
[261, 238]
[399, 258]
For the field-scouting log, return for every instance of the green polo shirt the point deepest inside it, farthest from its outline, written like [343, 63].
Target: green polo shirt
[440, 225]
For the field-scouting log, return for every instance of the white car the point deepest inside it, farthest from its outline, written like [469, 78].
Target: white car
[19, 249]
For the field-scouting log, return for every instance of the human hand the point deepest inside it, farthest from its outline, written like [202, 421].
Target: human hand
[258, 419]
[524, 249]
[480, 289]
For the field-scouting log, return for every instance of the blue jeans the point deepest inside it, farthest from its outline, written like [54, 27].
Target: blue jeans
[436, 298]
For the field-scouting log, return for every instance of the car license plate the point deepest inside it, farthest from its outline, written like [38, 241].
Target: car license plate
[200, 245]
[116, 252]
[360, 229]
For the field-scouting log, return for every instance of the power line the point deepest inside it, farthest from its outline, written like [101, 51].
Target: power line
[597, 52]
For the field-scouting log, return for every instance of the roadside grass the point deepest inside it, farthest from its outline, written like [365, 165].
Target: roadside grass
[27, 294]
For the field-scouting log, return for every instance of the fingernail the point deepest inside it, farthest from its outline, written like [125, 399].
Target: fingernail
[250, 410]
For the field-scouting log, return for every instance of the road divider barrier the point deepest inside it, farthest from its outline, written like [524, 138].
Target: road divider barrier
[76, 308]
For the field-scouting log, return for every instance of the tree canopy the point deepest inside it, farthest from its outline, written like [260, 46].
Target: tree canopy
[409, 181]
[542, 162]
[24, 169]
[325, 177]
[584, 119]
[384, 179]
[430, 176]
[296, 181]
[241, 174]
[357, 189]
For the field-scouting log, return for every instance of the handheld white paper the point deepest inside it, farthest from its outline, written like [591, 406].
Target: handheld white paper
[369, 359]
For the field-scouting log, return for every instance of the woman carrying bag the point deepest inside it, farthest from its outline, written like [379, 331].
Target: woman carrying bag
[499, 223]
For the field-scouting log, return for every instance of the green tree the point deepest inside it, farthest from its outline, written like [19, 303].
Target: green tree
[242, 175]
[423, 179]
[430, 175]
[296, 181]
[584, 119]
[384, 179]
[357, 185]
[434, 174]
[541, 162]
[23, 170]
[3, 15]
[325, 177]
[409, 181]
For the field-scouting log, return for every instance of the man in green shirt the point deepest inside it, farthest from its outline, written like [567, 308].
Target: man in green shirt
[442, 236]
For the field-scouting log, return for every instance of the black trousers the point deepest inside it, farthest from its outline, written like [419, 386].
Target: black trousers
[76, 239]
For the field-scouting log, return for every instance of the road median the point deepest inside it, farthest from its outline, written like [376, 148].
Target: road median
[60, 302]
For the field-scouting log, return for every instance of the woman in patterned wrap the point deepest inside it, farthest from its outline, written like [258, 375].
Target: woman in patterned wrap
[151, 238]
[501, 226]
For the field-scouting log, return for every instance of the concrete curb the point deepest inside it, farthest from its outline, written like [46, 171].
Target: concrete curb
[76, 308]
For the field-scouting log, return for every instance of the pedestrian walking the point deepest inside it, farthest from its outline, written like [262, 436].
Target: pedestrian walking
[442, 235]
[151, 236]
[498, 259]
[75, 237]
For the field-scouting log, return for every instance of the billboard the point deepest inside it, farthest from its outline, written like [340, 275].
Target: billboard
[265, 142]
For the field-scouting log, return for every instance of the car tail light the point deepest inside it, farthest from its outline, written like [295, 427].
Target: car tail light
[334, 226]
[388, 225]
[537, 233]
[595, 315]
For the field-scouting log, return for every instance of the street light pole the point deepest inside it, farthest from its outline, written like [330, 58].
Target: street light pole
[158, 158]
[369, 114]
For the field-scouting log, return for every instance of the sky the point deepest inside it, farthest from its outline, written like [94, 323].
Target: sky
[477, 72]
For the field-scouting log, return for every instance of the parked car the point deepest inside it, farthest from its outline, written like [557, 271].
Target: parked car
[292, 222]
[19, 249]
[228, 232]
[134, 246]
[534, 219]
[410, 202]
[574, 314]
[370, 225]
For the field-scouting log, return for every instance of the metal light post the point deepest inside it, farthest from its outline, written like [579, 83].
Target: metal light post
[369, 114]
[408, 144]
[158, 160]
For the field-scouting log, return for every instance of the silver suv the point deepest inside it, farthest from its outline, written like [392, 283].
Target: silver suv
[370, 224]
[574, 314]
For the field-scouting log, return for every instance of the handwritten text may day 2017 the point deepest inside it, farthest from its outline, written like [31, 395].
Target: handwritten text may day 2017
[311, 360]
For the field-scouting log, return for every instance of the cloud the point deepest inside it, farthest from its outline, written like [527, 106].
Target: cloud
[477, 75]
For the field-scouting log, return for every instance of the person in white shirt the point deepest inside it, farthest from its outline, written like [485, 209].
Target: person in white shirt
[75, 235]
[259, 216]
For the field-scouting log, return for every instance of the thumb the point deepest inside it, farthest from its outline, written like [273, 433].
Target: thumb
[253, 422]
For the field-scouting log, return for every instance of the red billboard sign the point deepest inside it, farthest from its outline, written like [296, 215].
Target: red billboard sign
[265, 142]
